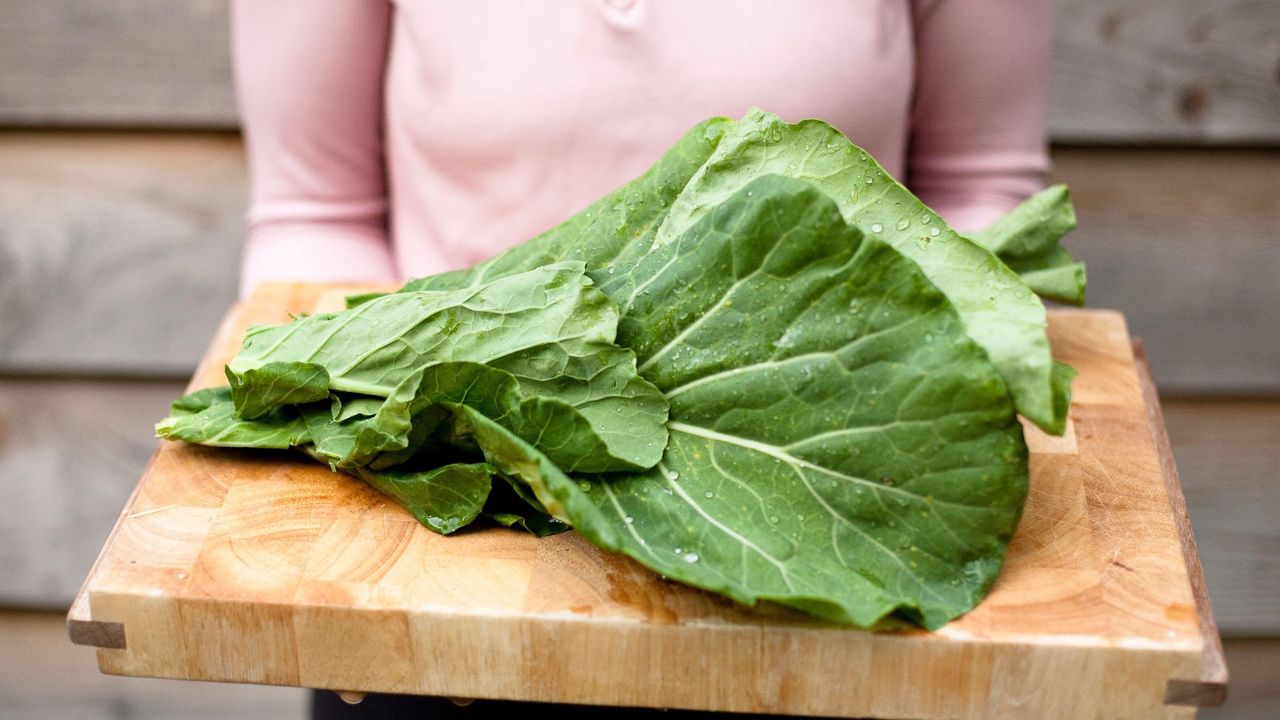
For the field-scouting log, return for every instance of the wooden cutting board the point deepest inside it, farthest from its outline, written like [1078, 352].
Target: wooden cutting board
[263, 567]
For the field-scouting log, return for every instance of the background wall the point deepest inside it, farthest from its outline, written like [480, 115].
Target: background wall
[122, 188]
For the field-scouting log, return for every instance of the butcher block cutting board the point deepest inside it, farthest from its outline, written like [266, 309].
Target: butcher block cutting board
[265, 567]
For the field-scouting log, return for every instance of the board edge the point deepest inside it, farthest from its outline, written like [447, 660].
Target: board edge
[1210, 689]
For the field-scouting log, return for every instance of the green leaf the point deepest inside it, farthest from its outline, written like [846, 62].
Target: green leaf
[192, 403]
[209, 417]
[1027, 240]
[419, 404]
[444, 499]
[524, 494]
[999, 311]
[345, 407]
[547, 328]
[1033, 228]
[838, 442]
[259, 390]
[1061, 279]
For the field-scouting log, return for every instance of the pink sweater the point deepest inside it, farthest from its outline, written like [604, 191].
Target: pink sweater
[392, 140]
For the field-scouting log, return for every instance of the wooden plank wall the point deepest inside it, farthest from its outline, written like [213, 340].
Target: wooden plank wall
[1128, 71]
[151, 221]
[44, 677]
[118, 251]
[122, 190]
[1167, 70]
[1187, 242]
[116, 63]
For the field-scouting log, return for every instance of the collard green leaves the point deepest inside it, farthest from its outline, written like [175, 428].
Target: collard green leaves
[762, 368]
[838, 443]
[209, 417]
[388, 391]
[547, 328]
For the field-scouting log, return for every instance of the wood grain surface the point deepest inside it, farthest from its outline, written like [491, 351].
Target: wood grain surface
[42, 677]
[1122, 70]
[258, 567]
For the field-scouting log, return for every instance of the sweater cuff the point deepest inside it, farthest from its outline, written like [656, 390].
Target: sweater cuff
[315, 252]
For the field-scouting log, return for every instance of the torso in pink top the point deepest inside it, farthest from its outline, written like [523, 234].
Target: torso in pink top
[391, 140]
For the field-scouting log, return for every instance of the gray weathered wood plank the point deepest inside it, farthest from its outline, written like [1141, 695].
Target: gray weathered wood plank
[1165, 70]
[1228, 453]
[72, 450]
[1187, 244]
[131, 63]
[44, 677]
[118, 252]
[1254, 693]
[70, 453]
[1123, 71]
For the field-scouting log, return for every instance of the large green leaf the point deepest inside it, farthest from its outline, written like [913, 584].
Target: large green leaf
[999, 311]
[547, 328]
[838, 443]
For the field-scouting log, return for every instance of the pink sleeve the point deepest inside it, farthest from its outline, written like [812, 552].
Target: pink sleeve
[309, 81]
[978, 120]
